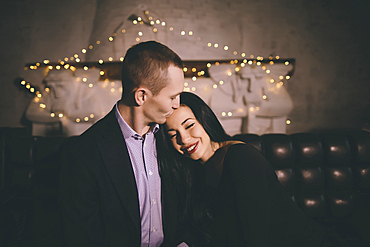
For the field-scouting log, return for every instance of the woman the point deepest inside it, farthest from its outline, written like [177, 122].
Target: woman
[231, 194]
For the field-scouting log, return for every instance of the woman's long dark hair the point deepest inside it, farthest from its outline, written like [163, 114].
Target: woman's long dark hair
[185, 175]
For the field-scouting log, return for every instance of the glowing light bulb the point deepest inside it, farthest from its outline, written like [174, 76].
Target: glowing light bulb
[209, 44]
[221, 82]
[287, 77]
[163, 23]
[229, 73]
[226, 48]
[52, 114]
[86, 119]
[123, 30]
[215, 45]
[23, 82]
[83, 50]
[186, 84]
[110, 59]
[84, 79]
[110, 38]
[209, 65]
[185, 69]
[182, 32]
[288, 122]
[229, 114]
[243, 54]
[223, 114]
[101, 72]
[235, 52]
[286, 63]
[264, 96]
[193, 89]
[78, 60]
[121, 59]
[134, 21]
[194, 69]
[91, 85]
[101, 61]
[194, 78]
[46, 61]
[157, 21]
[155, 30]
[214, 86]
[152, 23]
[86, 68]
[190, 33]
[272, 80]
[78, 120]
[140, 33]
[92, 115]
[91, 46]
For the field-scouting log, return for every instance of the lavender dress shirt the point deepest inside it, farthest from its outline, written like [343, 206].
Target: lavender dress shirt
[143, 155]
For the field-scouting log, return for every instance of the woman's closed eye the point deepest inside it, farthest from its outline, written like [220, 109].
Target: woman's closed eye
[189, 126]
[172, 135]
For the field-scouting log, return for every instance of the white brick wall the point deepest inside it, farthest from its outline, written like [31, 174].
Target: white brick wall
[328, 39]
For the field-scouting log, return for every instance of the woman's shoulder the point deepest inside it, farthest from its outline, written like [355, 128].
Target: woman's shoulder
[245, 156]
[235, 147]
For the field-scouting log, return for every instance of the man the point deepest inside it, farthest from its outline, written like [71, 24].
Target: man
[110, 189]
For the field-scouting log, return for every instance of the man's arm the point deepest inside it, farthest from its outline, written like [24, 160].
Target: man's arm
[79, 203]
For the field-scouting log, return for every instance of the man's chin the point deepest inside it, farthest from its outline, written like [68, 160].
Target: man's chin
[162, 122]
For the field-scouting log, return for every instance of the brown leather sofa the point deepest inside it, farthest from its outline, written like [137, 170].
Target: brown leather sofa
[327, 175]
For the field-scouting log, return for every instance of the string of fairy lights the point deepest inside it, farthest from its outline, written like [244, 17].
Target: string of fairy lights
[71, 62]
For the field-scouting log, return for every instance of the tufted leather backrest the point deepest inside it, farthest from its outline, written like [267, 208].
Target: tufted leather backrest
[322, 172]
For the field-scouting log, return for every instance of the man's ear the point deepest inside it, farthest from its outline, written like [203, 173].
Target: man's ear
[141, 95]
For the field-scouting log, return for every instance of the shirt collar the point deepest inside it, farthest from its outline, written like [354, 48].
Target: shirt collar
[127, 131]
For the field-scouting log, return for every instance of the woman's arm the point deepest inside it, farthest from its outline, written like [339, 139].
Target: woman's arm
[248, 170]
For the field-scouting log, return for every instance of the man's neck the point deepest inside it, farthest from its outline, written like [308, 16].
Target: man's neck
[134, 118]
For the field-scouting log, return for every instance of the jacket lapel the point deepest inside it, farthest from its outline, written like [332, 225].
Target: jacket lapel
[118, 164]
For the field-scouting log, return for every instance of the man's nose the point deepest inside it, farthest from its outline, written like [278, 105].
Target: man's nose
[176, 102]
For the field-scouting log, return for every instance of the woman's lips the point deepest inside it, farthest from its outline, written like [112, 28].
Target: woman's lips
[192, 148]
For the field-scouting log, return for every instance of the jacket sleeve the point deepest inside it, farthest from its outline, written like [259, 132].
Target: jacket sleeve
[248, 170]
[79, 204]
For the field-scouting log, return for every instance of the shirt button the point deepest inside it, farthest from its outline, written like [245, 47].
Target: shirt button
[153, 229]
[150, 173]
[154, 202]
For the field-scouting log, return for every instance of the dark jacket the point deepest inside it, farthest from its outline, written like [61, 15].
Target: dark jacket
[98, 195]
